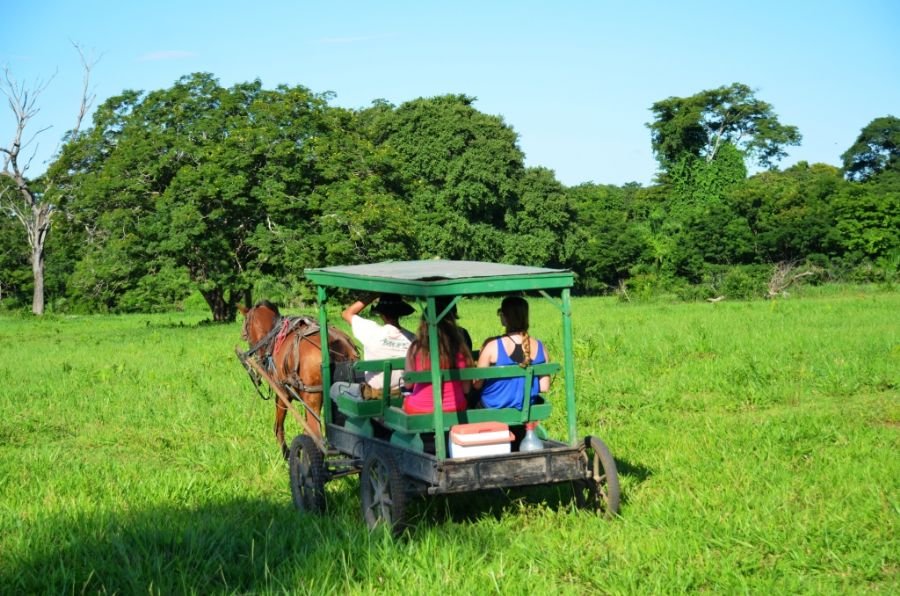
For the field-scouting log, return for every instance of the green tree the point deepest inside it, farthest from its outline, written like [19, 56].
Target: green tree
[704, 226]
[790, 213]
[15, 273]
[343, 210]
[539, 228]
[867, 217]
[180, 180]
[876, 150]
[700, 125]
[608, 234]
[460, 170]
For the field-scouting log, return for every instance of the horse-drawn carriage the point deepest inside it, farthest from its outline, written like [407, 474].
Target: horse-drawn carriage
[399, 455]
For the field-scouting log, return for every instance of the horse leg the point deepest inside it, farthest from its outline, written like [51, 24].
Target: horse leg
[313, 403]
[309, 372]
[280, 413]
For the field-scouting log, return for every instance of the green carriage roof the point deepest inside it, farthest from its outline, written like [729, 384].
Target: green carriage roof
[440, 277]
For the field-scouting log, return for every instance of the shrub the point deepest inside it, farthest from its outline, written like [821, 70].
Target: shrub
[735, 282]
[741, 284]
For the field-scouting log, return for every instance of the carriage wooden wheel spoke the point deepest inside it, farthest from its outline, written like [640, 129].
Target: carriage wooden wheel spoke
[382, 492]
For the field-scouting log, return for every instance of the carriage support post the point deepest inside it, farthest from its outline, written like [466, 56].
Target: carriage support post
[326, 356]
[569, 364]
[565, 307]
[437, 394]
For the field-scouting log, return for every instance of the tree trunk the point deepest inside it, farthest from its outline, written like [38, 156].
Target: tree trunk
[223, 311]
[37, 268]
[38, 227]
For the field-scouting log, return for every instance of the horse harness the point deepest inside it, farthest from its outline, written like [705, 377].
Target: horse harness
[273, 341]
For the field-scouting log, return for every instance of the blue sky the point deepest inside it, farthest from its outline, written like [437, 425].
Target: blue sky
[574, 79]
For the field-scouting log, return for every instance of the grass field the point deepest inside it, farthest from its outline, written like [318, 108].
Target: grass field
[757, 444]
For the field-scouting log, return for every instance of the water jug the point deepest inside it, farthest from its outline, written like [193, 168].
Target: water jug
[531, 442]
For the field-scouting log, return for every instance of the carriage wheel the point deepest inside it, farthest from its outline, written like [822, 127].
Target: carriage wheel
[600, 489]
[306, 464]
[382, 492]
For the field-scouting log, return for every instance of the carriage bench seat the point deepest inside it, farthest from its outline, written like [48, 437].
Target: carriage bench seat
[398, 420]
[407, 427]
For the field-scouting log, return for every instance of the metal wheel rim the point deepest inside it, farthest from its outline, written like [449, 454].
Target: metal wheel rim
[300, 478]
[304, 481]
[598, 479]
[599, 488]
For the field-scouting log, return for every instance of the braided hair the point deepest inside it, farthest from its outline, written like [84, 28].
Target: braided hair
[515, 313]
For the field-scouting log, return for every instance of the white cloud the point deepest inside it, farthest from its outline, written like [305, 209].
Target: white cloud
[166, 55]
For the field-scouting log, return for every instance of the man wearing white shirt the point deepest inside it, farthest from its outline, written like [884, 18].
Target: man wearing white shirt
[388, 340]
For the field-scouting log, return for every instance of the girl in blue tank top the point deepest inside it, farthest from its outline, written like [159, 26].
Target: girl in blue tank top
[515, 347]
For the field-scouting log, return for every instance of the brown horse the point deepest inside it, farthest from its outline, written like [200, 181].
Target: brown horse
[289, 348]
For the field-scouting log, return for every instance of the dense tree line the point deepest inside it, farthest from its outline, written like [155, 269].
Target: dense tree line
[234, 191]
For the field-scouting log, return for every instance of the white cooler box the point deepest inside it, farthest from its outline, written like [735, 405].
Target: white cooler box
[480, 438]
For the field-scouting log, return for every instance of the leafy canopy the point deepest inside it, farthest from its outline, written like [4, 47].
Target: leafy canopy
[699, 125]
[876, 149]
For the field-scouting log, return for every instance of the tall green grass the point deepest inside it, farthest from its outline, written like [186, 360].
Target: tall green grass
[757, 445]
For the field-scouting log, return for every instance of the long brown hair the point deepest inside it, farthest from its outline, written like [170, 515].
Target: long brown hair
[450, 343]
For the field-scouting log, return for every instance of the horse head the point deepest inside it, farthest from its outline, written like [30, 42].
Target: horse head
[258, 321]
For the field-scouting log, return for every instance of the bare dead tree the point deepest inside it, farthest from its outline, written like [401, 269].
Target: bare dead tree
[26, 203]
[784, 275]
